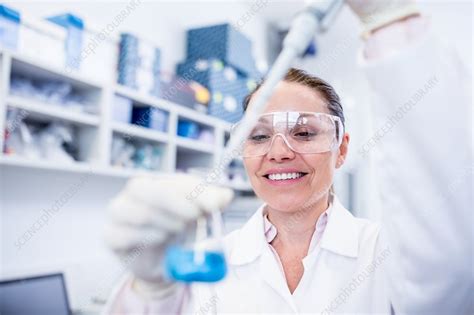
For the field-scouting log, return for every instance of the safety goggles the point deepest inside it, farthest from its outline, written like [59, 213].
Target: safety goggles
[303, 132]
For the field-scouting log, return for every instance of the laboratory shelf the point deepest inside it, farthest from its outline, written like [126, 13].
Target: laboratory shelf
[134, 131]
[26, 64]
[181, 110]
[45, 111]
[196, 116]
[140, 98]
[88, 168]
[73, 167]
[95, 132]
[193, 115]
[194, 145]
[122, 172]
[17, 161]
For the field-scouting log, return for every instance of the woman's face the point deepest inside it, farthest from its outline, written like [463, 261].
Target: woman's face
[292, 195]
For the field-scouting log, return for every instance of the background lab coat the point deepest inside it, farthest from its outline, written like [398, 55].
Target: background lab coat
[425, 169]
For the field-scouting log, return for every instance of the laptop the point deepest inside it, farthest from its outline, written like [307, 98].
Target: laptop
[34, 295]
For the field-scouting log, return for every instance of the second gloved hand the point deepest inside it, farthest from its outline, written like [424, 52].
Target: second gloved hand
[146, 214]
[377, 13]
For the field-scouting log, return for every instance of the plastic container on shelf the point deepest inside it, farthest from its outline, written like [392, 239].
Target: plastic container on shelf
[9, 27]
[74, 27]
[138, 52]
[150, 117]
[122, 109]
[148, 157]
[52, 92]
[228, 86]
[222, 42]
[42, 41]
[184, 92]
[139, 64]
[128, 153]
[206, 136]
[188, 129]
[88, 49]
[99, 53]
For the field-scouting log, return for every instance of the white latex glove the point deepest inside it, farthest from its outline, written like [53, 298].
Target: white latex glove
[377, 13]
[147, 213]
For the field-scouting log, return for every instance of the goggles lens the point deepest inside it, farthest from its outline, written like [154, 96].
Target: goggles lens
[303, 132]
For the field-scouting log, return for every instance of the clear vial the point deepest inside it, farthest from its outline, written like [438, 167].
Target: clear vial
[201, 256]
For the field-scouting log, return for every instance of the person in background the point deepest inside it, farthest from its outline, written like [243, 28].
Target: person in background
[424, 246]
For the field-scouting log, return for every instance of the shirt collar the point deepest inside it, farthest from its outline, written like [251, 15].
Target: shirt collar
[341, 235]
[271, 231]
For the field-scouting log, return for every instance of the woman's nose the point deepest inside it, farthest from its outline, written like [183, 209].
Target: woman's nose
[279, 150]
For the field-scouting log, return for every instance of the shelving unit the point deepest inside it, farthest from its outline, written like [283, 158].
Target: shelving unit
[140, 132]
[31, 66]
[76, 167]
[42, 111]
[98, 130]
[194, 145]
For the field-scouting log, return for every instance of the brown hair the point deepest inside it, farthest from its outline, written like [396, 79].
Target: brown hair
[315, 83]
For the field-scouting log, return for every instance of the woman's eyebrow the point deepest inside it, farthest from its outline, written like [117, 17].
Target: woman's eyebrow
[264, 120]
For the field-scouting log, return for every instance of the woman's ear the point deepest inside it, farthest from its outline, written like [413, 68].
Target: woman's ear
[343, 149]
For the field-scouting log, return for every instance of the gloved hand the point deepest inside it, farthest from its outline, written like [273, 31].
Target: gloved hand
[146, 214]
[377, 13]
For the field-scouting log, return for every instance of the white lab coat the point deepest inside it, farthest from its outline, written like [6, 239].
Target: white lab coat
[343, 273]
[425, 169]
[425, 165]
[256, 284]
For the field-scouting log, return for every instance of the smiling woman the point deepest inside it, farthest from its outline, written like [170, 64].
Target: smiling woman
[302, 242]
[290, 157]
[306, 113]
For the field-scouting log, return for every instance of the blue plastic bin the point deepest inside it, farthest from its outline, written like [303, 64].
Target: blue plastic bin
[75, 27]
[228, 86]
[150, 117]
[133, 51]
[188, 129]
[222, 42]
[139, 64]
[9, 27]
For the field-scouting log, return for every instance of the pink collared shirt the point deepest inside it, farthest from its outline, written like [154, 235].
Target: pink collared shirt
[271, 232]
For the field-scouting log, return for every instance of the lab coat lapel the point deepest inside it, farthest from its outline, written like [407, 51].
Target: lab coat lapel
[341, 235]
[251, 245]
[249, 241]
[273, 276]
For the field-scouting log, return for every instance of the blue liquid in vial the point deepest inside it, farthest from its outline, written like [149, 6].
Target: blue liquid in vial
[181, 265]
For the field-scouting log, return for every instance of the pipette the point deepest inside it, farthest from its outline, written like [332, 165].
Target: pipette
[208, 264]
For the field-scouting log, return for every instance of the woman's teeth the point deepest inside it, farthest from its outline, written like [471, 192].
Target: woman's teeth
[285, 176]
